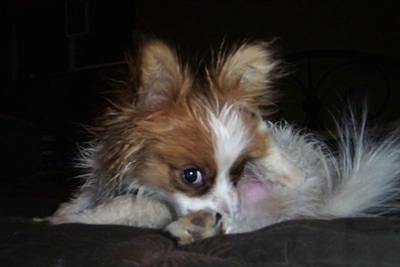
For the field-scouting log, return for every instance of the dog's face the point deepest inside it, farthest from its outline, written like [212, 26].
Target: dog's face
[201, 140]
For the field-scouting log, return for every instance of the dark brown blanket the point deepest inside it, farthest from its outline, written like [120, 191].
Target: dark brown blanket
[340, 242]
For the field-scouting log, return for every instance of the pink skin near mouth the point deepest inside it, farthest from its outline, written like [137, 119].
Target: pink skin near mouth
[254, 197]
[252, 190]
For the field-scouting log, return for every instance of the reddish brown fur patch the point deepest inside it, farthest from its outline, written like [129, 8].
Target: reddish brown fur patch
[180, 138]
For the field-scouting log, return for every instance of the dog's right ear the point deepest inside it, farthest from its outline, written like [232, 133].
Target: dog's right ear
[245, 73]
[159, 76]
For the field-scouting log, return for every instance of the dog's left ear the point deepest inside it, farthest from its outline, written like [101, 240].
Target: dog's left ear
[159, 77]
[244, 75]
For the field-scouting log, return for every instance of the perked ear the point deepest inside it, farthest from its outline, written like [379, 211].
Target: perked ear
[159, 75]
[245, 74]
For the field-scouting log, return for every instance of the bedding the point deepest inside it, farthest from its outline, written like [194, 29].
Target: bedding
[339, 242]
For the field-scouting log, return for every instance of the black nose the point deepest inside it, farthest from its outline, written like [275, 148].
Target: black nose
[218, 217]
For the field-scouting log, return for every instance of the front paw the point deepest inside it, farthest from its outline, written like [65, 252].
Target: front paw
[57, 220]
[195, 226]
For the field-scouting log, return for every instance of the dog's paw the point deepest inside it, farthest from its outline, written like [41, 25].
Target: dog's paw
[57, 220]
[195, 226]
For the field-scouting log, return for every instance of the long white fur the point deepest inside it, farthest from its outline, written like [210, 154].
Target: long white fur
[367, 173]
[361, 178]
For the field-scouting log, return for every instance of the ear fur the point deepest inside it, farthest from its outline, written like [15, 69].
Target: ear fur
[242, 76]
[159, 75]
[245, 74]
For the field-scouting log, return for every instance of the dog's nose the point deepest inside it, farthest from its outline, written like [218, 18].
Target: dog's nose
[218, 217]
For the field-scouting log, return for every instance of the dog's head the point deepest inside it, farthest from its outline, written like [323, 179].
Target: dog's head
[199, 139]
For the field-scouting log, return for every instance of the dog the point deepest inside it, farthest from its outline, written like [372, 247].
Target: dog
[192, 151]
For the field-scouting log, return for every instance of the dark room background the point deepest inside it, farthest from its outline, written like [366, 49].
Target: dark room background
[56, 58]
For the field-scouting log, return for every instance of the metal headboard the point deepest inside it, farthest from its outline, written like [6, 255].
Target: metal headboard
[325, 81]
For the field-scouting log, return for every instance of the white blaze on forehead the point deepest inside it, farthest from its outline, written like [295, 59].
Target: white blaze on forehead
[230, 137]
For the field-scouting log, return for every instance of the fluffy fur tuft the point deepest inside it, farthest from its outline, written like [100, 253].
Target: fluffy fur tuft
[366, 171]
[359, 177]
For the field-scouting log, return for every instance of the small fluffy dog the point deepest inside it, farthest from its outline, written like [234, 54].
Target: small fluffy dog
[190, 152]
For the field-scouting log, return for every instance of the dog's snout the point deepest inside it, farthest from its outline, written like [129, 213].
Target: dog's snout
[218, 217]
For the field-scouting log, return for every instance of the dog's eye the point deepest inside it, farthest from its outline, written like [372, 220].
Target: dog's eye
[193, 176]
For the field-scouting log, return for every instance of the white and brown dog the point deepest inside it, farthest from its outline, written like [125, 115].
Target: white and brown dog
[191, 154]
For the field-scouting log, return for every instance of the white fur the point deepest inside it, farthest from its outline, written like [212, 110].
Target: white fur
[362, 177]
[222, 198]
[367, 173]
[230, 137]
[126, 210]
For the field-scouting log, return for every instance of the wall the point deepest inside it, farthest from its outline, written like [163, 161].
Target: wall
[364, 26]
[368, 25]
